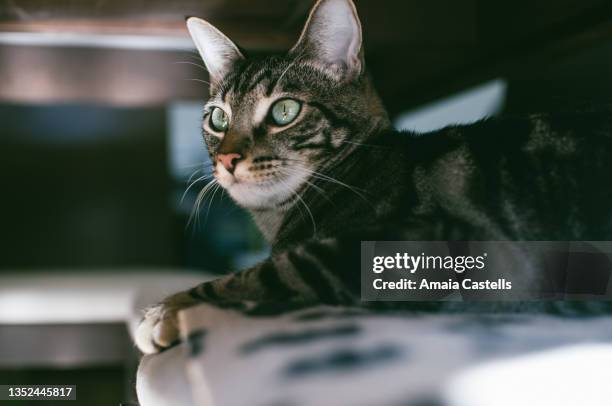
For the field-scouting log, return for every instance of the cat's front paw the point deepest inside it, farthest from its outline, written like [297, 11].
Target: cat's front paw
[159, 327]
[157, 330]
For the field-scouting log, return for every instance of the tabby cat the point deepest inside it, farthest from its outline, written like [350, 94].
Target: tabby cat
[303, 142]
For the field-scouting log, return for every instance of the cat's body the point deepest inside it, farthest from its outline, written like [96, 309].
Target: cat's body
[535, 178]
[302, 141]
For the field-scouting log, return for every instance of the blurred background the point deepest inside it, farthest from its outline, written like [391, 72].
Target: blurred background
[100, 105]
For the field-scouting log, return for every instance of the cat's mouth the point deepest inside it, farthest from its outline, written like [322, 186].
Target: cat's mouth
[261, 184]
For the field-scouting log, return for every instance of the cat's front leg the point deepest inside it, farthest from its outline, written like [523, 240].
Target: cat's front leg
[159, 327]
[307, 274]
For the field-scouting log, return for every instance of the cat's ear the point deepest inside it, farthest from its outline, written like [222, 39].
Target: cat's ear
[218, 52]
[332, 38]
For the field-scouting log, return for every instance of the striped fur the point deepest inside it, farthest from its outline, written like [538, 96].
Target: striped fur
[339, 174]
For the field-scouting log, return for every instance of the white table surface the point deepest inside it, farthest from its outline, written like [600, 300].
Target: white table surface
[102, 296]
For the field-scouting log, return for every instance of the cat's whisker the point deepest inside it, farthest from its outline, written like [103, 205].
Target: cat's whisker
[204, 197]
[310, 184]
[203, 167]
[195, 56]
[194, 216]
[314, 224]
[204, 177]
[210, 201]
[321, 176]
[299, 198]
[199, 80]
[287, 171]
[291, 64]
[193, 175]
[192, 63]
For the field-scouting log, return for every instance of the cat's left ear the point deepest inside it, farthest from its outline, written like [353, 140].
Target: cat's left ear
[218, 52]
[332, 38]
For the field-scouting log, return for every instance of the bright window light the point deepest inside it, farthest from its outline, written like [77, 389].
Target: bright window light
[465, 107]
[92, 40]
[186, 147]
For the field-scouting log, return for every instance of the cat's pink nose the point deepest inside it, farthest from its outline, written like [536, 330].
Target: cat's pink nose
[229, 161]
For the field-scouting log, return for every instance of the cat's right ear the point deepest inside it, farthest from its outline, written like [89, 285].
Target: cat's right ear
[331, 38]
[218, 52]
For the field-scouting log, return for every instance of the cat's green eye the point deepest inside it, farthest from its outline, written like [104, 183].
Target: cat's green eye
[218, 120]
[285, 111]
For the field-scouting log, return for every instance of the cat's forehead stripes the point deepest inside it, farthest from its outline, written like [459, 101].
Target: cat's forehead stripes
[244, 80]
[258, 77]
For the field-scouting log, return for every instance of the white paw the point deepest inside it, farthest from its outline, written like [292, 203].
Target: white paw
[158, 329]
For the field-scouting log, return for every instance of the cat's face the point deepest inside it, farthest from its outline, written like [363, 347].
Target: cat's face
[265, 136]
[270, 124]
